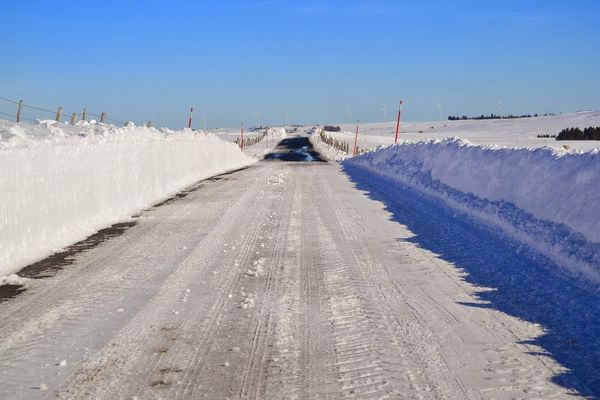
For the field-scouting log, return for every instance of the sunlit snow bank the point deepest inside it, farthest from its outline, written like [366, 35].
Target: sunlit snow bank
[61, 183]
[545, 198]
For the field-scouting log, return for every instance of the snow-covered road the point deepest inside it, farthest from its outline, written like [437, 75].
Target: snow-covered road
[278, 281]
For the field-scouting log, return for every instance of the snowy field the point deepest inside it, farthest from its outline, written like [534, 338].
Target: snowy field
[506, 132]
[62, 183]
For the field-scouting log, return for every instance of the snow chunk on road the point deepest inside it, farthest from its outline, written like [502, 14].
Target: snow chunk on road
[257, 269]
[248, 301]
[13, 279]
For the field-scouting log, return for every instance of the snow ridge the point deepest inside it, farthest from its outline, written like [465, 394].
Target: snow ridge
[544, 198]
[61, 183]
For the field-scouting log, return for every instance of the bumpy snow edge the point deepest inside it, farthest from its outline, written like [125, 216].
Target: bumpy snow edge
[545, 199]
[62, 183]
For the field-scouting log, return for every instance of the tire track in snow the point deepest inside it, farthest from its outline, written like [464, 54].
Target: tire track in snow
[254, 380]
[139, 349]
[89, 291]
[452, 349]
[344, 308]
[414, 369]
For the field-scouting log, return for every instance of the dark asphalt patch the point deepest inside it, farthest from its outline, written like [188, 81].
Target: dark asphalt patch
[54, 263]
[57, 261]
[295, 149]
[10, 291]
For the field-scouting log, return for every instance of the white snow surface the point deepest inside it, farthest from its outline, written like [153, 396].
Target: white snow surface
[61, 183]
[258, 150]
[267, 144]
[520, 132]
[547, 198]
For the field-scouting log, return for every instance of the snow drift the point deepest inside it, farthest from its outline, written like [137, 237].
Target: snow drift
[548, 199]
[61, 183]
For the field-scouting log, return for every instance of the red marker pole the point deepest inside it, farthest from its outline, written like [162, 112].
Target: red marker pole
[398, 123]
[242, 138]
[356, 137]
[190, 120]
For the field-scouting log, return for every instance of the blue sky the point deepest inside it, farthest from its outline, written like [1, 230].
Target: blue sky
[151, 59]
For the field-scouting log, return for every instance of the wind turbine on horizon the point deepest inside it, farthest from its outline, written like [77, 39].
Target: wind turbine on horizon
[439, 108]
[501, 109]
[257, 114]
[287, 117]
[384, 109]
[203, 117]
[349, 116]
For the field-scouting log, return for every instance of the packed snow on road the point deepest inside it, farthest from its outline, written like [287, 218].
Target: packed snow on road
[461, 263]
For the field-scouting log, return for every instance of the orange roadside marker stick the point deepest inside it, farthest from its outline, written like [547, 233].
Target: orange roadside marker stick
[398, 123]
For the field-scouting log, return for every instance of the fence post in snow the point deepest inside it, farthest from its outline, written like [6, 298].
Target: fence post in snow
[102, 117]
[58, 114]
[242, 137]
[19, 110]
[73, 118]
[149, 124]
[84, 116]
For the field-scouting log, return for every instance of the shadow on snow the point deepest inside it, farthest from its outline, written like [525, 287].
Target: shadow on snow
[523, 287]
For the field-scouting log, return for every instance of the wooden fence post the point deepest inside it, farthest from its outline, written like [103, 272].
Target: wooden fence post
[242, 138]
[102, 117]
[73, 118]
[149, 124]
[19, 110]
[58, 114]
[84, 117]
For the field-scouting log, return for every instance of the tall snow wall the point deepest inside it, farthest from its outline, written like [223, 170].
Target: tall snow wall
[60, 183]
[545, 198]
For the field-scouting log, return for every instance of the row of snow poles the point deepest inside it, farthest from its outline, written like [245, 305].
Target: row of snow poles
[249, 141]
[336, 143]
[355, 149]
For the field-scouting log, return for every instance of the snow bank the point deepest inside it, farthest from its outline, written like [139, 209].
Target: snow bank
[61, 183]
[277, 133]
[547, 198]
[273, 136]
[329, 152]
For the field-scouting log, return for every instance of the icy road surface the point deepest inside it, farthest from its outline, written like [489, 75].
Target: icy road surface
[278, 281]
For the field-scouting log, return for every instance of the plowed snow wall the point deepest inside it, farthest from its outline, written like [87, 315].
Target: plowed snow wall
[556, 194]
[59, 190]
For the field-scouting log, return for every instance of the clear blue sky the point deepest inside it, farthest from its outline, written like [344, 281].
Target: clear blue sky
[152, 59]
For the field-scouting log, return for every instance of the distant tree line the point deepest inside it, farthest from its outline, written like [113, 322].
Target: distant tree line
[591, 133]
[494, 116]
